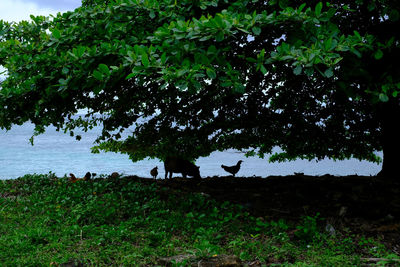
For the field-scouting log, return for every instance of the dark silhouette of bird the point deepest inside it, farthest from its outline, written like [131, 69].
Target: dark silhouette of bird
[87, 176]
[232, 169]
[73, 178]
[154, 172]
[114, 175]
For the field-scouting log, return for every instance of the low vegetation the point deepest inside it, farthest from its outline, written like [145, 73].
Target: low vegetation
[46, 220]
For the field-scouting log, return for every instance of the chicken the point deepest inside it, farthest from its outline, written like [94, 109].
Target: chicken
[154, 172]
[232, 169]
[73, 178]
[87, 176]
[114, 175]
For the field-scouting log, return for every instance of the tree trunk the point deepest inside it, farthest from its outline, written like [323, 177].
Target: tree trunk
[390, 124]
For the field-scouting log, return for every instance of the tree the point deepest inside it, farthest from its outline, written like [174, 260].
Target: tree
[192, 77]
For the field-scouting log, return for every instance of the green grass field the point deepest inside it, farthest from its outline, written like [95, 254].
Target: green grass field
[46, 221]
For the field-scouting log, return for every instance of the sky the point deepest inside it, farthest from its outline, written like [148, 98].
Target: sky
[17, 10]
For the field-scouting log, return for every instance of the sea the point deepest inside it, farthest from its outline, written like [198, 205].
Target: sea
[62, 154]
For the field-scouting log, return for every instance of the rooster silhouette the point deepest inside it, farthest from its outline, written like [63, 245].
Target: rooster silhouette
[232, 169]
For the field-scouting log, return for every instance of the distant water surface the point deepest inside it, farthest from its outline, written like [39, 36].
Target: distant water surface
[61, 154]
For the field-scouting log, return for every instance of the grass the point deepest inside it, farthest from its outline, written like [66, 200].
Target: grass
[46, 220]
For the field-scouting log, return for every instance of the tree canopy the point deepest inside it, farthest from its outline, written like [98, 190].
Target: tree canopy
[317, 79]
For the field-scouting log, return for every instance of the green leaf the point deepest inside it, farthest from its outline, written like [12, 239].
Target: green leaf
[331, 12]
[301, 7]
[196, 84]
[181, 72]
[205, 38]
[226, 83]
[211, 50]
[211, 73]
[256, 30]
[378, 54]
[152, 15]
[181, 85]
[383, 97]
[145, 59]
[356, 52]
[309, 71]
[283, 3]
[131, 75]
[104, 69]
[337, 60]
[334, 44]
[328, 73]
[250, 59]
[357, 34]
[98, 75]
[220, 36]
[97, 89]
[386, 88]
[318, 9]
[239, 88]
[263, 69]
[63, 82]
[328, 44]
[163, 58]
[298, 70]
[80, 51]
[371, 6]
[262, 54]
[56, 34]
[65, 70]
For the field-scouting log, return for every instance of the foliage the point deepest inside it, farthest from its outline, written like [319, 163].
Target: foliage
[318, 79]
[308, 230]
[47, 220]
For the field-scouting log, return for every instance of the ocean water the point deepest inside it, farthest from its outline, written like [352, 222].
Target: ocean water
[61, 154]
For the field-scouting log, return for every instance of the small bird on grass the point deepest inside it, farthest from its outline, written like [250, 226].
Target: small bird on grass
[73, 178]
[232, 169]
[154, 172]
[87, 176]
[114, 175]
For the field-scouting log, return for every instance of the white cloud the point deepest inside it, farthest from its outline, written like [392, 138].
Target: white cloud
[17, 10]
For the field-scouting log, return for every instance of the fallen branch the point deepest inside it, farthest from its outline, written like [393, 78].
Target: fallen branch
[376, 260]
[281, 211]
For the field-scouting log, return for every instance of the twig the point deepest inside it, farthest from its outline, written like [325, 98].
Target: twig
[281, 211]
[375, 260]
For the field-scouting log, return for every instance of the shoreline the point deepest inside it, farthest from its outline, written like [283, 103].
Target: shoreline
[105, 176]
